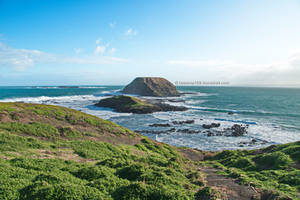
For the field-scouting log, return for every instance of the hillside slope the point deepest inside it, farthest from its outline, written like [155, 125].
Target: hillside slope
[51, 152]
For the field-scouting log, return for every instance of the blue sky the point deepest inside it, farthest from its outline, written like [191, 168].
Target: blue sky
[246, 42]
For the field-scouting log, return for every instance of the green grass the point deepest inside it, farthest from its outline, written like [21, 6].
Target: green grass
[34, 128]
[46, 152]
[147, 170]
[116, 173]
[274, 168]
[56, 114]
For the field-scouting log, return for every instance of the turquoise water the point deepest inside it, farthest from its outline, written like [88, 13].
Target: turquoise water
[278, 105]
[273, 114]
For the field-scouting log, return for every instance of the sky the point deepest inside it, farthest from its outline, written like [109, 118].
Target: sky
[110, 42]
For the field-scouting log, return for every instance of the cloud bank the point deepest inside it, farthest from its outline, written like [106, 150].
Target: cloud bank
[281, 73]
[20, 59]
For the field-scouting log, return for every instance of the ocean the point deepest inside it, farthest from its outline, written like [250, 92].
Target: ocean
[272, 114]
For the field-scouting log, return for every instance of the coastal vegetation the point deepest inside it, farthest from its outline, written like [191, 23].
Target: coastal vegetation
[51, 152]
[275, 168]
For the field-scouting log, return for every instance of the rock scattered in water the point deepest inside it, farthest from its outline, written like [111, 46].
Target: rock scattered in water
[188, 131]
[160, 125]
[184, 122]
[212, 125]
[176, 100]
[235, 131]
[156, 132]
[252, 143]
[151, 86]
[214, 133]
[238, 130]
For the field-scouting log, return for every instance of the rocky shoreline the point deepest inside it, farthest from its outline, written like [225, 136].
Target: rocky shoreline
[209, 130]
[236, 130]
[158, 89]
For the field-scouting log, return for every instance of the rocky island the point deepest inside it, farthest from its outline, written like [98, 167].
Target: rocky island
[129, 104]
[143, 86]
[151, 86]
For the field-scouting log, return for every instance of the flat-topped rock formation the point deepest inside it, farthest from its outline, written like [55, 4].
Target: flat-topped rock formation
[151, 86]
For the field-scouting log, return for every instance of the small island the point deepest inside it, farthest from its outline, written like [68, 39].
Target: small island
[129, 104]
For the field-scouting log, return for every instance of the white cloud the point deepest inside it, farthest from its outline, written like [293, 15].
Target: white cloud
[199, 63]
[95, 60]
[112, 50]
[78, 50]
[131, 32]
[112, 25]
[20, 59]
[98, 40]
[100, 49]
[284, 72]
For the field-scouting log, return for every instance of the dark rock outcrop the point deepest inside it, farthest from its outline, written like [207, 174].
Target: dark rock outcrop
[238, 130]
[184, 122]
[212, 125]
[156, 132]
[252, 143]
[159, 125]
[188, 131]
[235, 131]
[128, 104]
[151, 86]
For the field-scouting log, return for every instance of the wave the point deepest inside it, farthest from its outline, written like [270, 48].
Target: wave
[243, 112]
[43, 87]
[192, 102]
[196, 94]
[66, 87]
[44, 99]
[91, 87]
[108, 93]
[84, 103]
[236, 121]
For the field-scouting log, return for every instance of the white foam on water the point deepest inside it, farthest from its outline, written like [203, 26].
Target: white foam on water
[52, 100]
[91, 87]
[189, 102]
[273, 134]
[263, 130]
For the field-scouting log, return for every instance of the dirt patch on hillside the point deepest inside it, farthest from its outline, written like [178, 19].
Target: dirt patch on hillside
[64, 155]
[228, 187]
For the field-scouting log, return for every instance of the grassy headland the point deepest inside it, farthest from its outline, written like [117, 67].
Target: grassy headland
[51, 152]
